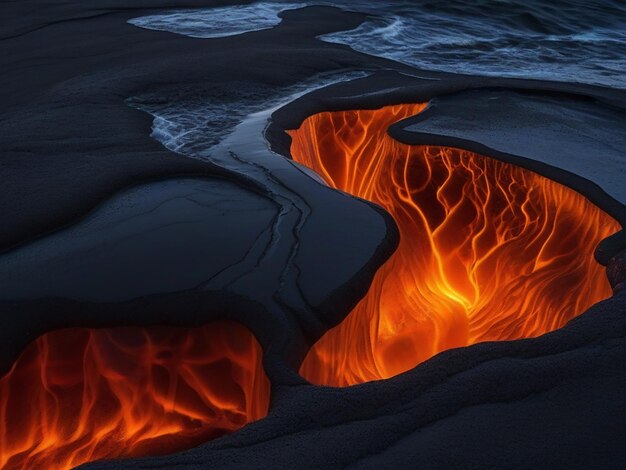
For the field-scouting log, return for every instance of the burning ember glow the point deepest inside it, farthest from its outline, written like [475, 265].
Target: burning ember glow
[488, 251]
[79, 395]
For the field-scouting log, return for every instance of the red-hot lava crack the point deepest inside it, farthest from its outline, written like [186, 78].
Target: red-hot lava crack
[79, 395]
[488, 251]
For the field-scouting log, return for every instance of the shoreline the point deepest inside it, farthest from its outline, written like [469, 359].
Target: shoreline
[71, 145]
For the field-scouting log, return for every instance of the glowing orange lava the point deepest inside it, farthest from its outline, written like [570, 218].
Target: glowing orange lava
[79, 395]
[488, 250]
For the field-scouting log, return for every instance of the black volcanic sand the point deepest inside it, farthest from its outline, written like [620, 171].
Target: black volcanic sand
[106, 227]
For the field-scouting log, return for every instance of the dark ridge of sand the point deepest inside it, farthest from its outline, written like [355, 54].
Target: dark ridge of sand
[68, 139]
[176, 242]
[69, 142]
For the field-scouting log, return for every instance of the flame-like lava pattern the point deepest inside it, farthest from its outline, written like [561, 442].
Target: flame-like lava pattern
[488, 251]
[78, 395]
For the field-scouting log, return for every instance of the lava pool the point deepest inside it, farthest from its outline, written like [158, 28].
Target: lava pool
[77, 395]
[488, 251]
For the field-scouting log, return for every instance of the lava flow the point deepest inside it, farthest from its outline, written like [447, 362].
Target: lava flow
[488, 250]
[79, 395]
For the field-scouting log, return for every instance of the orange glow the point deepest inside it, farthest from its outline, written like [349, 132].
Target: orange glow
[488, 251]
[79, 395]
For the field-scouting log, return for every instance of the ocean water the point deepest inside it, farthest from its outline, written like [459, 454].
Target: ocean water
[217, 22]
[572, 41]
[193, 124]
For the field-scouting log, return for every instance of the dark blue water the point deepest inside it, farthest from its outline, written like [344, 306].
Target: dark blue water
[219, 21]
[572, 41]
[579, 41]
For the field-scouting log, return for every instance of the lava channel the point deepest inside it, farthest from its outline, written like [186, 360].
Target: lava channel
[488, 251]
[79, 395]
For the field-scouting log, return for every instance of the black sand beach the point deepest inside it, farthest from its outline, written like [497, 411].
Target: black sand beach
[91, 204]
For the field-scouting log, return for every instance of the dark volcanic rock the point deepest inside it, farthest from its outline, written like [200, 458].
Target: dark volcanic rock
[258, 240]
[68, 139]
[616, 271]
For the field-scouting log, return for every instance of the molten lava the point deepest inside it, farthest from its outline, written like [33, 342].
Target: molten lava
[488, 250]
[79, 395]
